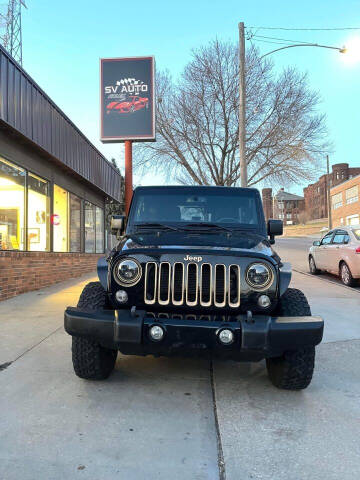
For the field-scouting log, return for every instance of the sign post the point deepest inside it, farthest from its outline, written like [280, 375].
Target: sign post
[127, 106]
[128, 175]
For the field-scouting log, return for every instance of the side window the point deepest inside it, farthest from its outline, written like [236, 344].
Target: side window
[327, 239]
[339, 238]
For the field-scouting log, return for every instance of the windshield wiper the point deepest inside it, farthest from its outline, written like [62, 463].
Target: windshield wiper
[150, 225]
[208, 226]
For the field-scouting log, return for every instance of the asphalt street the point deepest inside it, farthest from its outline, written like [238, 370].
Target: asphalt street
[295, 250]
[174, 418]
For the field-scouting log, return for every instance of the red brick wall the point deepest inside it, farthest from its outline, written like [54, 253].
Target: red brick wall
[316, 193]
[25, 271]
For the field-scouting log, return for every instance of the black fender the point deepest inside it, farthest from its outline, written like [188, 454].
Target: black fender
[102, 271]
[285, 272]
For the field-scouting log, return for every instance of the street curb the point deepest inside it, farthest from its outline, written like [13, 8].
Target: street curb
[352, 289]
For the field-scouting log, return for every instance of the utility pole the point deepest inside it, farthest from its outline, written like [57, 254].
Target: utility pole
[242, 101]
[328, 192]
[128, 175]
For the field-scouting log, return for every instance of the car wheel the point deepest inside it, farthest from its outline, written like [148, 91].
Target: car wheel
[345, 275]
[294, 369]
[132, 109]
[312, 266]
[91, 360]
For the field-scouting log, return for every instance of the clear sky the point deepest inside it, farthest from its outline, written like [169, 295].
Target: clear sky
[63, 41]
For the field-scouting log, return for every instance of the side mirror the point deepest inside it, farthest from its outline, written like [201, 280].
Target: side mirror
[117, 225]
[274, 227]
[317, 243]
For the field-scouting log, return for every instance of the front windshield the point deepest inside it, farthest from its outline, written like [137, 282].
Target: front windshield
[207, 207]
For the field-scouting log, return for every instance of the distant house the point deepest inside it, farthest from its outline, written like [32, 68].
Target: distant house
[282, 206]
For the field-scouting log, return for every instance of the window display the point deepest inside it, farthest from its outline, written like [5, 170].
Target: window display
[38, 231]
[89, 227]
[31, 232]
[60, 220]
[75, 223]
[99, 230]
[12, 206]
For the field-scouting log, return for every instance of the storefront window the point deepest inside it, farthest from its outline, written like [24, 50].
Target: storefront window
[60, 219]
[12, 206]
[38, 237]
[75, 225]
[89, 227]
[99, 230]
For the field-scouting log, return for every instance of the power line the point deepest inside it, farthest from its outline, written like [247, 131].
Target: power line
[306, 29]
[280, 39]
[267, 41]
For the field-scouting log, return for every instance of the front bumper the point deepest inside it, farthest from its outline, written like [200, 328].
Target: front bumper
[255, 338]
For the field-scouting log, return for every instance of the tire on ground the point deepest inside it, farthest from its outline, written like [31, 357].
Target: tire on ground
[313, 269]
[346, 276]
[294, 369]
[90, 360]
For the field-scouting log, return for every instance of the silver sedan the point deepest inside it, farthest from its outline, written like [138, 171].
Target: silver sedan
[338, 252]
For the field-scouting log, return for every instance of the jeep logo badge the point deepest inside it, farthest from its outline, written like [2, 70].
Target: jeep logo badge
[190, 258]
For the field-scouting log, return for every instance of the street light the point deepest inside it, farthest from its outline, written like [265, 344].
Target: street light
[352, 50]
[242, 95]
[339, 49]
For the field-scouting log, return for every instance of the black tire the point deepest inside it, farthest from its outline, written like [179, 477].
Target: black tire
[312, 266]
[91, 360]
[294, 369]
[346, 276]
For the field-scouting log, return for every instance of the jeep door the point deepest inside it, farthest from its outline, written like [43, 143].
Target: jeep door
[323, 250]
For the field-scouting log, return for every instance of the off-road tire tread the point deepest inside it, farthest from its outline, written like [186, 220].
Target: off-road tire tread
[293, 370]
[90, 360]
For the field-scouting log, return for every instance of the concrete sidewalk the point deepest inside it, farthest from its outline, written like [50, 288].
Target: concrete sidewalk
[154, 418]
[270, 434]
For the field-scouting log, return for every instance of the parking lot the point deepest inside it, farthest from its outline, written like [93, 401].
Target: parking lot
[174, 418]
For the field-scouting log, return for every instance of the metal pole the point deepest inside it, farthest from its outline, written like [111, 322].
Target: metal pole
[328, 192]
[339, 49]
[128, 175]
[242, 99]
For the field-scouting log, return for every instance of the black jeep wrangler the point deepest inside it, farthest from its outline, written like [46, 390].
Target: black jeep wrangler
[194, 272]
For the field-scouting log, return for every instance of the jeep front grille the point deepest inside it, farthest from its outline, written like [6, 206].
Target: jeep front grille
[192, 284]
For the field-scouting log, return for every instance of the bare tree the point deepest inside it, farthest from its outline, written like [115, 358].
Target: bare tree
[197, 122]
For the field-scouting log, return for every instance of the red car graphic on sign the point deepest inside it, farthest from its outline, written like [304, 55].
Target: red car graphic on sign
[135, 103]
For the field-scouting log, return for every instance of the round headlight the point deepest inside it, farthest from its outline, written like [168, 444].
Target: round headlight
[127, 272]
[259, 276]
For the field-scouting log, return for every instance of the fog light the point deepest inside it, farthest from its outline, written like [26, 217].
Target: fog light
[226, 336]
[156, 333]
[121, 296]
[264, 301]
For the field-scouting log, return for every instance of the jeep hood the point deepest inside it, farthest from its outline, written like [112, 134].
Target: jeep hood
[175, 240]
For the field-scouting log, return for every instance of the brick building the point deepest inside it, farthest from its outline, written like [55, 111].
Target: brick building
[345, 202]
[315, 194]
[54, 188]
[282, 206]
